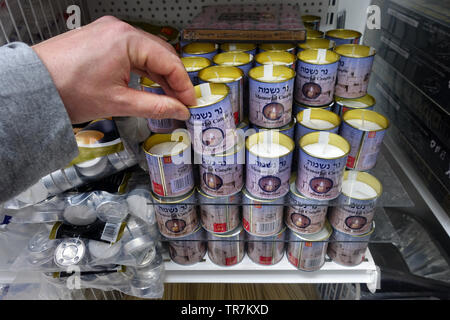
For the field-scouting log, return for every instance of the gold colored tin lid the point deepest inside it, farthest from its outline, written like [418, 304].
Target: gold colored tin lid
[321, 114]
[277, 46]
[273, 137]
[343, 34]
[210, 74]
[275, 57]
[216, 89]
[319, 43]
[282, 73]
[200, 47]
[233, 58]
[192, 64]
[158, 138]
[239, 46]
[146, 82]
[355, 50]
[366, 178]
[355, 103]
[322, 235]
[314, 34]
[310, 18]
[318, 56]
[174, 200]
[333, 139]
[368, 115]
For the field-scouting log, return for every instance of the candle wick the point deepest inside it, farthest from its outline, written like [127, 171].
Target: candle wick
[217, 75]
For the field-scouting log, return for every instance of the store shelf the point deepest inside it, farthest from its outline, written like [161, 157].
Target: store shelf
[283, 272]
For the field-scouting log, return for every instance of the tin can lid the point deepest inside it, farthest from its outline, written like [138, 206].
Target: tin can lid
[355, 50]
[233, 58]
[280, 74]
[239, 46]
[318, 56]
[343, 34]
[356, 103]
[314, 34]
[200, 47]
[275, 57]
[277, 46]
[322, 235]
[193, 64]
[69, 252]
[221, 74]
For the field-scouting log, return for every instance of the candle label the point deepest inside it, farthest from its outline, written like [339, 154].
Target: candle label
[263, 221]
[355, 218]
[353, 77]
[314, 84]
[319, 179]
[270, 103]
[365, 146]
[187, 252]
[304, 216]
[306, 256]
[176, 220]
[212, 127]
[268, 178]
[220, 218]
[226, 251]
[266, 252]
[346, 249]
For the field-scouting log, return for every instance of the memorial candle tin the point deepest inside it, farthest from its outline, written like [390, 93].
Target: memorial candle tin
[268, 157]
[316, 76]
[304, 215]
[356, 204]
[193, 65]
[176, 217]
[311, 22]
[364, 130]
[276, 58]
[219, 214]
[347, 249]
[319, 43]
[307, 251]
[354, 70]
[266, 250]
[289, 47]
[310, 120]
[239, 46]
[159, 125]
[342, 105]
[170, 168]
[190, 249]
[288, 129]
[271, 95]
[233, 77]
[200, 49]
[322, 159]
[227, 249]
[343, 36]
[211, 125]
[262, 217]
[242, 60]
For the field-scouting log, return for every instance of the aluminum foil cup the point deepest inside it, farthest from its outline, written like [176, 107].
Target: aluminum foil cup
[112, 211]
[266, 250]
[70, 252]
[79, 215]
[92, 168]
[103, 251]
[190, 249]
[227, 249]
[343, 36]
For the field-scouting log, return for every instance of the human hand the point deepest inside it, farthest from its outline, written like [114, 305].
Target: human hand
[91, 70]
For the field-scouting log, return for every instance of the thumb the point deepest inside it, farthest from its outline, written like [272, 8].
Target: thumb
[150, 105]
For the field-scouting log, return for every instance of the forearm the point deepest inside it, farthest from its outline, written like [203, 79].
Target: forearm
[35, 131]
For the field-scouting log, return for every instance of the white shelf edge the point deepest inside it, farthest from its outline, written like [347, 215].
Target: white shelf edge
[283, 272]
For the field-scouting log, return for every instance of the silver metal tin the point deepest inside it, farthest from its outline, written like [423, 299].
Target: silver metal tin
[70, 252]
[138, 245]
[190, 249]
[92, 168]
[103, 251]
[79, 215]
[266, 250]
[227, 249]
[112, 211]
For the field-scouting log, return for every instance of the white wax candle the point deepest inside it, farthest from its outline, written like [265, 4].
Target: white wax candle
[364, 125]
[202, 101]
[167, 148]
[221, 79]
[355, 104]
[322, 150]
[101, 250]
[317, 124]
[265, 149]
[272, 78]
[358, 189]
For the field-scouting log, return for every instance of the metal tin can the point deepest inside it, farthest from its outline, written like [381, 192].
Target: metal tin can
[262, 217]
[266, 250]
[276, 58]
[320, 173]
[307, 252]
[193, 65]
[222, 174]
[297, 107]
[347, 249]
[69, 252]
[268, 169]
[233, 77]
[242, 60]
[92, 168]
[342, 105]
[343, 36]
[227, 249]
[170, 171]
[271, 96]
[99, 250]
[289, 47]
[219, 214]
[365, 137]
[40, 249]
[159, 125]
[211, 125]
[244, 125]
[200, 49]
[190, 249]
[314, 34]
[176, 217]
[239, 46]
[319, 43]
[356, 209]
[304, 215]
[288, 129]
[316, 76]
[316, 120]
[354, 70]
[311, 22]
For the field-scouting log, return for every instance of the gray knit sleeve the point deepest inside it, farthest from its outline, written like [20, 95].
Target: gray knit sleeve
[36, 135]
